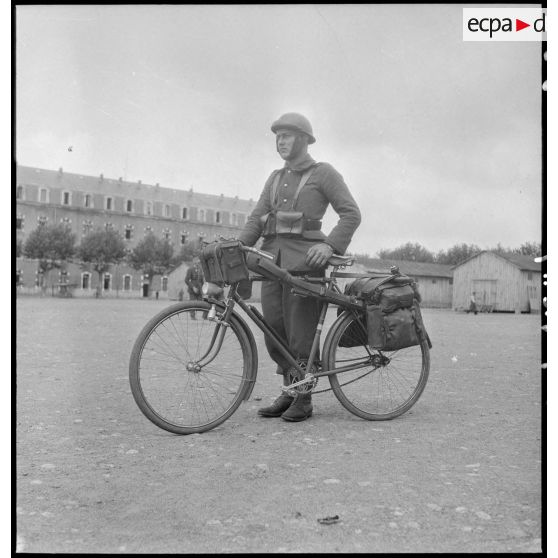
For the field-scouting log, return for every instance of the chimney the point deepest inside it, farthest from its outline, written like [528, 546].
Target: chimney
[60, 170]
[119, 179]
[101, 177]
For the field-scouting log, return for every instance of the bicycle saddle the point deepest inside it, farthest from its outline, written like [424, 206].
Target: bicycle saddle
[336, 260]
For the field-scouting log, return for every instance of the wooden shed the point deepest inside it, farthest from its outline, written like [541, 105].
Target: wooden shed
[502, 283]
[434, 280]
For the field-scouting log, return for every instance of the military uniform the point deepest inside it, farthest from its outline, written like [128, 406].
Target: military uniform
[295, 317]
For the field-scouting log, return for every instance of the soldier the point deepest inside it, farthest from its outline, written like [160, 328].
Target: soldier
[194, 281]
[288, 216]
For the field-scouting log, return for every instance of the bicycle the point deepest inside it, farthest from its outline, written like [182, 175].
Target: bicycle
[194, 363]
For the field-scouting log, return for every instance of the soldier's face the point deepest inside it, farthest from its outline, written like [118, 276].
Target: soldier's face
[289, 144]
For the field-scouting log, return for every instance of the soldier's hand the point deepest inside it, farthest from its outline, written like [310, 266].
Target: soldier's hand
[318, 255]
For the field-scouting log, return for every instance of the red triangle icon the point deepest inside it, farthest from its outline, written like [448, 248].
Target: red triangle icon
[519, 25]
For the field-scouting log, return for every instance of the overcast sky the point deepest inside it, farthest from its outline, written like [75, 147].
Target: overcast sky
[438, 139]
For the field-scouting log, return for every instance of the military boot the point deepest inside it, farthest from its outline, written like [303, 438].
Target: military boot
[300, 409]
[279, 406]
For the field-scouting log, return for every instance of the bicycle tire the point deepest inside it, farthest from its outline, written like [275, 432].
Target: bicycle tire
[378, 391]
[186, 401]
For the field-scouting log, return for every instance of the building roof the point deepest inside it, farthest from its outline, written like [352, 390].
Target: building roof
[133, 190]
[523, 262]
[414, 269]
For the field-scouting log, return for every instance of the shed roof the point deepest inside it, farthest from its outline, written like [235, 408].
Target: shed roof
[415, 269]
[523, 262]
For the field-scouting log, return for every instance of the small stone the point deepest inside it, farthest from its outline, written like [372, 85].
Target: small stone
[460, 509]
[331, 481]
[78, 420]
[413, 525]
[48, 466]
[434, 507]
[467, 528]
[364, 483]
[132, 451]
[392, 525]
[36, 481]
[473, 465]
[483, 515]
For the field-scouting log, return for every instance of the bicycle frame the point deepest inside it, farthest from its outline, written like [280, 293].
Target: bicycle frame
[328, 292]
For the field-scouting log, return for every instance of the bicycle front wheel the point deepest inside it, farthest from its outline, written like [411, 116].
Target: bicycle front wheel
[179, 379]
[383, 384]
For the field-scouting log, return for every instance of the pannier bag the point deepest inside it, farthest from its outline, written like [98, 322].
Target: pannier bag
[391, 311]
[223, 262]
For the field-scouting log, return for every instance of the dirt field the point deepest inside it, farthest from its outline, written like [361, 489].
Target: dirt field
[460, 472]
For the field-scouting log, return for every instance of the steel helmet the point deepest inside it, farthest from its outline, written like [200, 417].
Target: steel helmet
[294, 121]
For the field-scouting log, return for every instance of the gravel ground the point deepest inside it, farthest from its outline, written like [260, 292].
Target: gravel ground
[460, 472]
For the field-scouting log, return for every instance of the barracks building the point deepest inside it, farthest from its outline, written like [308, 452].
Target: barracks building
[134, 209]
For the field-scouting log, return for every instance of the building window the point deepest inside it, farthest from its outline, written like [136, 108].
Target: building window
[233, 219]
[167, 210]
[183, 237]
[19, 277]
[451, 281]
[19, 193]
[66, 221]
[129, 206]
[128, 232]
[107, 279]
[86, 281]
[19, 222]
[184, 213]
[240, 219]
[87, 200]
[40, 278]
[63, 277]
[86, 227]
[164, 284]
[201, 215]
[217, 216]
[127, 282]
[66, 198]
[42, 219]
[529, 276]
[167, 234]
[108, 203]
[433, 281]
[43, 195]
[109, 226]
[148, 208]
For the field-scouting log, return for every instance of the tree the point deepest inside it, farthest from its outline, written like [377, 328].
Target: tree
[410, 251]
[530, 249]
[457, 253]
[101, 249]
[187, 251]
[52, 245]
[153, 256]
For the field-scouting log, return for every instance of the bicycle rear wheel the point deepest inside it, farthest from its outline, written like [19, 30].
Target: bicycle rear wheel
[171, 388]
[387, 384]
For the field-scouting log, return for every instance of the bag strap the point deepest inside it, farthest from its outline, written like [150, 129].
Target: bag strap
[303, 180]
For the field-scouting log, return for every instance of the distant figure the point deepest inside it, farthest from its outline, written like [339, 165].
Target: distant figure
[157, 295]
[194, 281]
[181, 295]
[473, 304]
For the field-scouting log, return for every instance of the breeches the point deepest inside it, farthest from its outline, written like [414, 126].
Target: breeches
[294, 318]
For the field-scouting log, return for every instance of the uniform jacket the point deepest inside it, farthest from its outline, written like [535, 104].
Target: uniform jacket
[324, 187]
[194, 278]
